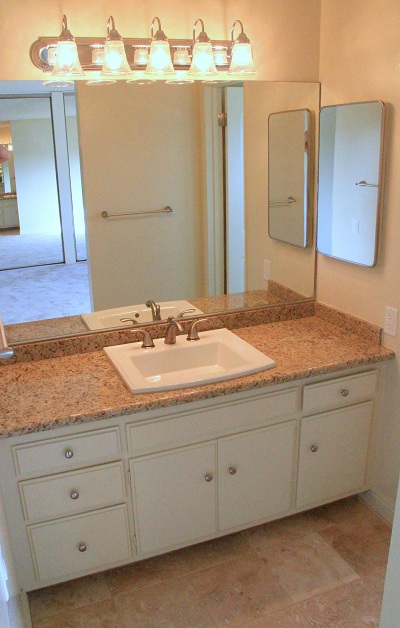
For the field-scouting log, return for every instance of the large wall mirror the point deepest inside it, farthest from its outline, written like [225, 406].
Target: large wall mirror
[350, 181]
[144, 148]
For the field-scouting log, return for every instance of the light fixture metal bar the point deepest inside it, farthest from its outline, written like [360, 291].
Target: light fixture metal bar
[39, 50]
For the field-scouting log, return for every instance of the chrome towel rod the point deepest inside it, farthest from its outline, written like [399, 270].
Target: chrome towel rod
[364, 184]
[288, 201]
[164, 210]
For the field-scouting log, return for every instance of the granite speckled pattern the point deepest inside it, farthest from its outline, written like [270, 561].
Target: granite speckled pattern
[275, 294]
[85, 387]
[94, 341]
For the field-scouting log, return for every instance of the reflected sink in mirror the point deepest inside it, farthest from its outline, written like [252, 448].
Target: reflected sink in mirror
[138, 313]
[218, 355]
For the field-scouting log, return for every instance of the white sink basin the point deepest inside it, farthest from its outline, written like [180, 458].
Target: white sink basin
[218, 355]
[104, 319]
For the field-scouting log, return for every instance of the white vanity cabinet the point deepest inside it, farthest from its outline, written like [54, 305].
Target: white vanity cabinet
[85, 498]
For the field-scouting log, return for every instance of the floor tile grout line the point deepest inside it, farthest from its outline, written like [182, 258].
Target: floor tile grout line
[185, 574]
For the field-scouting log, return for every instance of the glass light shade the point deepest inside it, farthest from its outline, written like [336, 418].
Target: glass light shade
[242, 59]
[220, 57]
[98, 56]
[115, 62]
[203, 59]
[67, 61]
[160, 58]
[181, 57]
[141, 56]
[51, 55]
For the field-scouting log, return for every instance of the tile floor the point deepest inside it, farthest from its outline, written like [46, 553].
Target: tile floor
[325, 567]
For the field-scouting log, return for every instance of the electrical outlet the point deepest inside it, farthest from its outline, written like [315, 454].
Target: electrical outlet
[266, 269]
[390, 326]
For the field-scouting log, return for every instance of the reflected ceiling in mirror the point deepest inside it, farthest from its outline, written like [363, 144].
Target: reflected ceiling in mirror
[169, 137]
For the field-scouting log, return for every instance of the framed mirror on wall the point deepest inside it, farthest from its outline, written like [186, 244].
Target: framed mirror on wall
[174, 154]
[351, 161]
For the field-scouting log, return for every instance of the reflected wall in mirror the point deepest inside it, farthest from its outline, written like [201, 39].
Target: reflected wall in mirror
[289, 169]
[145, 147]
[350, 181]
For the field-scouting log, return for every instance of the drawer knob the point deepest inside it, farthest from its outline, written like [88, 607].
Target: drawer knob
[208, 477]
[69, 453]
[74, 494]
[344, 392]
[314, 448]
[232, 470]
[82, 547]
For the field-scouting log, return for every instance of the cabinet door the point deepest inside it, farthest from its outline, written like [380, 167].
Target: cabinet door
[333, 454]
[174, 497]
[255, 475]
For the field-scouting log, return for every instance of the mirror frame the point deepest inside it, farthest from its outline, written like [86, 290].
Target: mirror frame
[381, 172]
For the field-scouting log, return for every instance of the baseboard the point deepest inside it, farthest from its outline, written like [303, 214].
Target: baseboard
[18, 611]
[378, 503]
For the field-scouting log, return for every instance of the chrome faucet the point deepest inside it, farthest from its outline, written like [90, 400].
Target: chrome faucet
[155, 309]
[5, 351]
[174, 328]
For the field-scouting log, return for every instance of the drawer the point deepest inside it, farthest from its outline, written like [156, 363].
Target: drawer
[72, 546]
[339, 392]
[71, 451]
[68, 493]
[217, 421]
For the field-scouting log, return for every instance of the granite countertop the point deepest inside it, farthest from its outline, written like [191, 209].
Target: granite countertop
[45, 394]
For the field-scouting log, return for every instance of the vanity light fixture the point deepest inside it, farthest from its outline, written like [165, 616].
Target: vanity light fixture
[203, 63]
[177, 60]
[66, 66]
[97, 55]
[141, 56]
[115, 61]
[182, 57]
[241, 55]
[160, 62]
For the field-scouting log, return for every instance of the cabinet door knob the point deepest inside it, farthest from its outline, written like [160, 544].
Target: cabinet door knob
[314, 448]
[82, 547]
[74, 495]
[344, 392]
[69, 453]
[232, 470]
[208, 477]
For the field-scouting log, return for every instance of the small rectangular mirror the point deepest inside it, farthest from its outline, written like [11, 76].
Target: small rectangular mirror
[350, 181]
[289, 206]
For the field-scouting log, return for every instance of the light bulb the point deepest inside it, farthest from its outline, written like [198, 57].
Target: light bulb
[160, 53]
[115, 61]
[202, 59]
[66, 63]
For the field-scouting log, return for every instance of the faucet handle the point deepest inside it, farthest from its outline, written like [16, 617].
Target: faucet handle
[193, 334]
[147, 339]
[186, 312]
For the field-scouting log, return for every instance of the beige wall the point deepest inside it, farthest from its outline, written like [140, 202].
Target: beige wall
[360, 61]
[285, 34]
[142, 134]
